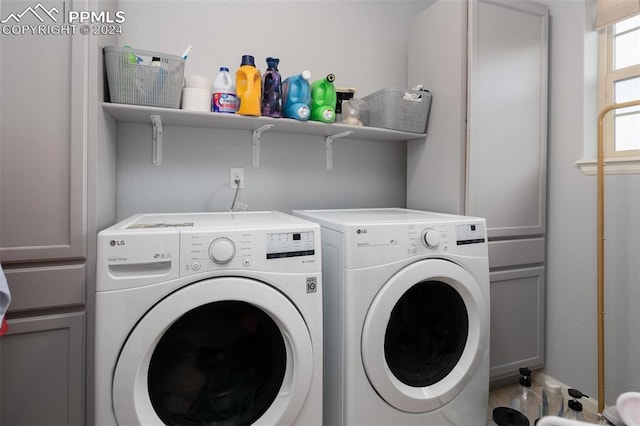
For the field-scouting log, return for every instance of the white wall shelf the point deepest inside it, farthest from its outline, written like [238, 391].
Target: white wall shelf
[257, 125]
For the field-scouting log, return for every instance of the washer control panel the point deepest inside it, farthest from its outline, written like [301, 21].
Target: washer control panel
[258, 250]
[290, 244]
[430, 237]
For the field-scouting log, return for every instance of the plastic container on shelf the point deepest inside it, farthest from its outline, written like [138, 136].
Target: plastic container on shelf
[272, 90]
[141, 77]
[399, 109]
[224, 97]
[524, 400]
[296, 92]
[248, 87]
[323, 100]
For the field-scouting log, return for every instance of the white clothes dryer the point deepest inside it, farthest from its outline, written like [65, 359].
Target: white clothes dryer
[406, 317]
[209, 318]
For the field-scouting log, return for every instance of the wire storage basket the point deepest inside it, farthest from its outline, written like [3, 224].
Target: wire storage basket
[142, 77]
[399, 109]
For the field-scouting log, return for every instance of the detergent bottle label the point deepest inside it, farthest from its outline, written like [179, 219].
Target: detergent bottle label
[224, 102]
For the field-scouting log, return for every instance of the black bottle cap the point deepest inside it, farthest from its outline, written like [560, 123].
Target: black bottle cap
[525, 371]
[525, 377]
[247, 60]
[331, 78]
[505, 416]
[272, 62]
[575, 405]
[575, 393]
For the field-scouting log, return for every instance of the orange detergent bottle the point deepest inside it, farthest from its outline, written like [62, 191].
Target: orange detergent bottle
[248, 87]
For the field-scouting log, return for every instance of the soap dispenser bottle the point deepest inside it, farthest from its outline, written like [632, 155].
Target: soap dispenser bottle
[575, 406]
[523, 398]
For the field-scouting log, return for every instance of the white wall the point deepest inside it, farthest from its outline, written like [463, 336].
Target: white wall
[571, 351]
[364, 43]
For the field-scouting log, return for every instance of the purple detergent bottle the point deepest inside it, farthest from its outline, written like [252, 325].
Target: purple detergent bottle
[272, 90]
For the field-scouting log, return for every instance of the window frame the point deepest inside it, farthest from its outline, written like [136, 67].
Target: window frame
[607, 78]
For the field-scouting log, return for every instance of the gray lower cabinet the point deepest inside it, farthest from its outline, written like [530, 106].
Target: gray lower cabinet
[41, 370]
[517, 320]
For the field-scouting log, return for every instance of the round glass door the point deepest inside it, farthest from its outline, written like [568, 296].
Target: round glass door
[424, 335]
[221, 363]
[224, 351]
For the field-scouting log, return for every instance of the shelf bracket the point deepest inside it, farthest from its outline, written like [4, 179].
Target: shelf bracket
[156, 122]
[257, 134]
[329, 142]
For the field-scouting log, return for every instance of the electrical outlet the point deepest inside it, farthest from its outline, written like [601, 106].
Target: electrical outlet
[236, 173]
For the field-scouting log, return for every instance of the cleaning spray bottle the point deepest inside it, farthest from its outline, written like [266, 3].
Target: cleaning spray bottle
[523, 398]
[323, 100]
[575, 406]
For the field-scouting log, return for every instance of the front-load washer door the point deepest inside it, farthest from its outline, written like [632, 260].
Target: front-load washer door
[424, 335]
[223, 351]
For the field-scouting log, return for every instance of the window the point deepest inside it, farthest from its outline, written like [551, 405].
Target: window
[619, 58]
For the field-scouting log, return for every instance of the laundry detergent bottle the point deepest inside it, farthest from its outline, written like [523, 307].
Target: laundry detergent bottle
[224, 93]
[296, 92]
[323, 100]
[248, 87]
[272, 90]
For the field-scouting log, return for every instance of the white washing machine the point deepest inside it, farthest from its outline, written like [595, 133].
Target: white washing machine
[212, 318]
[406, 311]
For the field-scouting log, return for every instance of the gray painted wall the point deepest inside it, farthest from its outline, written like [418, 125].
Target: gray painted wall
[363, 42]
[571, 351]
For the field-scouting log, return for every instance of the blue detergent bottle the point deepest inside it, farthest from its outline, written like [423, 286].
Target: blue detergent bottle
[297, 96]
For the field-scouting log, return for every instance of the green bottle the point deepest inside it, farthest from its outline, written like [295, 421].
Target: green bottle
[323, 100]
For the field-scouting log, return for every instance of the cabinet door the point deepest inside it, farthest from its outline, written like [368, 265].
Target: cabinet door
[517, 320]
[507, 116]
[41, 371]
[437, 60]
[42, 136]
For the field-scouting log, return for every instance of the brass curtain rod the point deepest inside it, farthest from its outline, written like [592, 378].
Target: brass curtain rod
[601, 312]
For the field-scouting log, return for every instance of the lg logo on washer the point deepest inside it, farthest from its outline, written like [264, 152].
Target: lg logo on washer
[361, 231]
[114, 243]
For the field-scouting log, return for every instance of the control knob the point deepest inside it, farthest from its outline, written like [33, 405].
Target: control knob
[430, 237]
[222, 250]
